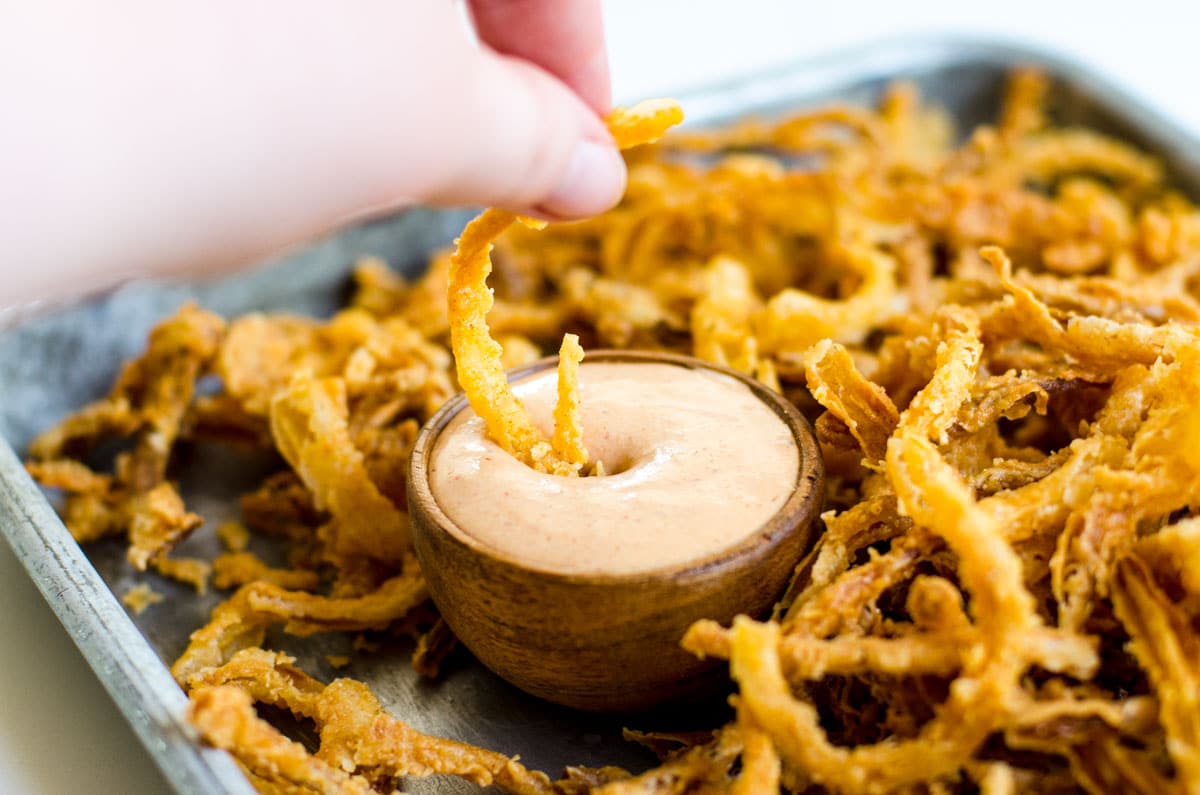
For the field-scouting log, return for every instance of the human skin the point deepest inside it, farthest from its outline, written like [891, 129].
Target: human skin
[165, 138]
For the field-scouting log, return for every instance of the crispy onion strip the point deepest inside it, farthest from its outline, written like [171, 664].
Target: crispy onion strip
[242, 620]
[721, 319]
[309, 425]
[936, 653]
[568, 420]
[1088, 340]
[1166, 646]
[361, 745]
[761, 765]
[701, 768]
[477, 356]
[226, 719]
[981, 698]
[794, 319]
[864, 407]
[935, 408]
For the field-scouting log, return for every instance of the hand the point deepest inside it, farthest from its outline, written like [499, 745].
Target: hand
[151, 138]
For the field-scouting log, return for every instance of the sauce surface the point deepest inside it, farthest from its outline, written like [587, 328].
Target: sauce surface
[697, 464]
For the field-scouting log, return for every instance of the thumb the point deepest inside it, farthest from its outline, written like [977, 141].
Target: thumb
[524, 141]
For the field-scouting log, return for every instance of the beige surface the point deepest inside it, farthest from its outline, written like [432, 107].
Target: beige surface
[59, 731]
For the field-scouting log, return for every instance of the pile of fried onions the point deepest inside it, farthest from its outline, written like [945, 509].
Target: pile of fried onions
[998, 344]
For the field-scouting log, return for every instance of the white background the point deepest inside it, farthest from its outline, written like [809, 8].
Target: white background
[59, 733]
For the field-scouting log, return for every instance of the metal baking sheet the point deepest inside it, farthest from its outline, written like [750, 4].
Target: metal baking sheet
[55, 362]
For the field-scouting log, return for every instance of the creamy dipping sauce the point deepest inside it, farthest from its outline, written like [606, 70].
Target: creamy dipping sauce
[697, 464]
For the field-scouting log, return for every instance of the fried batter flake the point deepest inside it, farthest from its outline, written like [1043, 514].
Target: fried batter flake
[140, 598]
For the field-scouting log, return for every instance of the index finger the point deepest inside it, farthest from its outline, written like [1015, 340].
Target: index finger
[564, 38]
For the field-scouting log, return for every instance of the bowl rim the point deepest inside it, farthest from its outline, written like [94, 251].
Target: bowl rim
[797, 514]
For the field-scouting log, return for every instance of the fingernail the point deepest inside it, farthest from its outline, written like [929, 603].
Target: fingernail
[592, 183]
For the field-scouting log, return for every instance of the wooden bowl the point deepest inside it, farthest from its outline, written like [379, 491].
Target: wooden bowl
[606, 642]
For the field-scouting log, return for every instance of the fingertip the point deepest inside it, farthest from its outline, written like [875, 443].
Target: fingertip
[592, 182]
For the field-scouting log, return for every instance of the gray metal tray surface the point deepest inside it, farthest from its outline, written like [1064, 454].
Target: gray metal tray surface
[57, 361]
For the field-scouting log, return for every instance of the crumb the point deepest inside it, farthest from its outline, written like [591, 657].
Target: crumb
[234, 536]
[191, 571]
[231, 569]
[360, 643]
[140, 597]
[337, 660]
